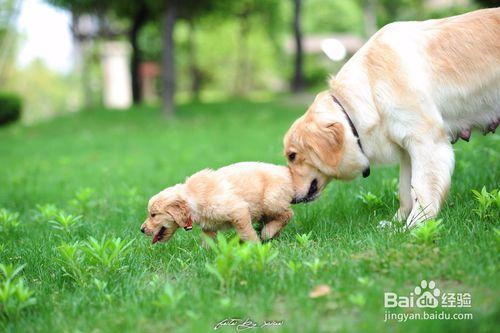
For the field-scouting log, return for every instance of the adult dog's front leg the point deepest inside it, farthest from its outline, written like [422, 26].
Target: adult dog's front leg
[405, 201]
[431, 169]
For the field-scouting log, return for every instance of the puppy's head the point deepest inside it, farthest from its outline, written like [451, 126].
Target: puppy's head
[320, 146]
[167, 211]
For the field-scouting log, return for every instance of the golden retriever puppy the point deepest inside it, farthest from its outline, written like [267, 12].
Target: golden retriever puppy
[231, 196]
[412, 90]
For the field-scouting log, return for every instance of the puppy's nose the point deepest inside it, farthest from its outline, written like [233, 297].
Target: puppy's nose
[143, 230]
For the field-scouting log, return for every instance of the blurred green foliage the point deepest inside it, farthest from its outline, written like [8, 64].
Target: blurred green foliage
[8, 38]
[231, 47]
[325, 17]
[218, 42]
[45, 93]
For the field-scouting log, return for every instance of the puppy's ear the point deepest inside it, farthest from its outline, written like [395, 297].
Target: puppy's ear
[179, 210]
[327, 143]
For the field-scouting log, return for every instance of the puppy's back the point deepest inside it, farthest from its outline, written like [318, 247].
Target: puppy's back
[248, 173]
[266, 187]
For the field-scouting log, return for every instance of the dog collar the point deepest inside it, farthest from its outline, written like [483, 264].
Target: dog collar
[189, 224]
[366, 172]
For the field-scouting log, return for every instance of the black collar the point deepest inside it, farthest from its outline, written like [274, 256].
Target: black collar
[366, 172]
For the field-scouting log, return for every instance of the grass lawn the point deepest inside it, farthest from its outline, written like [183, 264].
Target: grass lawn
[105, 165]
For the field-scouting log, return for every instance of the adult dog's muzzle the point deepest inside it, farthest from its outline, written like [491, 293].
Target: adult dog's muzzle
[311, 194]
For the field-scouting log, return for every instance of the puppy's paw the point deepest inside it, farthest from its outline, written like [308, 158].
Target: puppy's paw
[266, 234]
[266, 237]
[271, 230]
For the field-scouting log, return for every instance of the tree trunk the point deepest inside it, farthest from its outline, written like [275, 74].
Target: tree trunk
[193, 67]
[138, 22]
[298, 77]
[168, 61]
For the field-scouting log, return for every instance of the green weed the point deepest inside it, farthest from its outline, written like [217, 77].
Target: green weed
[14, 295]
[428, 233]
[8, 220]
[169, 298]
[83, 200]
[315, 266]
[47, 212]
[81, 261]
[233, 259]
[488, 202]
[370, 200]
[303, 239]
[65, 222]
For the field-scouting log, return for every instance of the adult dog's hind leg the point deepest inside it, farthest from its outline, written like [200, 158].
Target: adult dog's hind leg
[432, 163]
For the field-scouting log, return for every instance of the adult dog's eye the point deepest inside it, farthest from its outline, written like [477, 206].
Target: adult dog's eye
[291, 157]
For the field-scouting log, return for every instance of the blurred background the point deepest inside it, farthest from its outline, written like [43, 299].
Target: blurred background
[63, 56]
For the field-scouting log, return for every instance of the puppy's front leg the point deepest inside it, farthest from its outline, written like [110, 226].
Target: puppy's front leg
[278, 222]
[431, 169]
[242, 222]
[405, 202]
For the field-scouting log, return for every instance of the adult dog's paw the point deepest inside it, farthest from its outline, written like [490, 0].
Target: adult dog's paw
[401, 214]
[384, 224]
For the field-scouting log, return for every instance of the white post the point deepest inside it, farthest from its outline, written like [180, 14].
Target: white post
[117, 82]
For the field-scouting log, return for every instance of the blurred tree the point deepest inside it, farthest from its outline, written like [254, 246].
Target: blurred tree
[173, 11]
[247, 13]
[9, 10]
[89, 21]
[45, 93]
[194, 69]
[192, 13]
[109, 13]
[138, 13]
[168, 59]
[389, 11]
[90, 18]
[336, 16]
[298, 76]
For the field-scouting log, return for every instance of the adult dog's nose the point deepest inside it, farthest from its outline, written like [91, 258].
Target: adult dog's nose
[143, 230]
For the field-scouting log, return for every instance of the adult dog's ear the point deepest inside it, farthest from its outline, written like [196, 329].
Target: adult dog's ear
[326, 143]
[179, 210]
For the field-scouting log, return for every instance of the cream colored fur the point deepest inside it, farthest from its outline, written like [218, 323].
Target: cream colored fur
[410, 90]
[231, 196]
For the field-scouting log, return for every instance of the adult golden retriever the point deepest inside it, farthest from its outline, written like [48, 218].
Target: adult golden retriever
[413, 88]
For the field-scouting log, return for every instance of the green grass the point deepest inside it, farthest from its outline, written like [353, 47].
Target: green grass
[105, 165]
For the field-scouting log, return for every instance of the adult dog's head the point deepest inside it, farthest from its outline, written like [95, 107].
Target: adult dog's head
[167, 211]
[320, 146]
